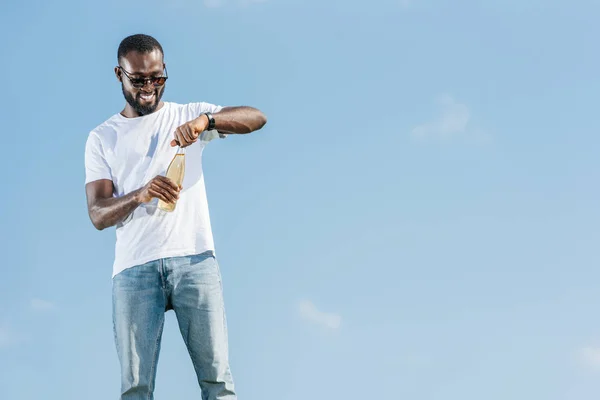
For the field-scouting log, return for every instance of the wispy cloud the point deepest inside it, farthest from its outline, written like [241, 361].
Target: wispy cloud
[223, 3]
[452, 121]
[41, 305]
[590, 356]
[7, 338]
[250, 2]
[309, 312]
[214, 3]
[4, 337]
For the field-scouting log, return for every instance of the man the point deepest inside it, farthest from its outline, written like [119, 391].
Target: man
[163, 260]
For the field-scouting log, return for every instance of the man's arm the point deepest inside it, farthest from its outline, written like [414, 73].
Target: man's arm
[105, 210]
[229, 120]
[240, 120]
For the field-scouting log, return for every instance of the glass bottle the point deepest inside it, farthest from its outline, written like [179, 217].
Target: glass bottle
[175, 172]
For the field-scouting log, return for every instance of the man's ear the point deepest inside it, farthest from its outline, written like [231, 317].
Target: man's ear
[118, 74]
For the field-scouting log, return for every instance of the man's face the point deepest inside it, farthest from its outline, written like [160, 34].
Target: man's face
[145, 99]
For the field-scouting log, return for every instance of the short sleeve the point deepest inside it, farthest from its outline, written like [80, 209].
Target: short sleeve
[96, 166]
[200, 108]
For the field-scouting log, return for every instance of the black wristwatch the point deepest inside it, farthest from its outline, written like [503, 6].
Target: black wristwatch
[211, 121]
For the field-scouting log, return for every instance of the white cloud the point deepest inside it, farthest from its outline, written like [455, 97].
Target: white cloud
[453, 121]
[9, 338]
[249, 2]
[222, 3]
[6, 337]
[590, 356]
[41, 305]
[310, 313]
[214, 3]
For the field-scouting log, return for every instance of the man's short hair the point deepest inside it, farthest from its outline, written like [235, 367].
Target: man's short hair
[140, 43]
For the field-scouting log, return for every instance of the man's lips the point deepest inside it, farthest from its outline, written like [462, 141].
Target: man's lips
[146, 96]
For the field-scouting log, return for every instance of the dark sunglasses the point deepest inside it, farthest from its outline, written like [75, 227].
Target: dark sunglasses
[139, 83]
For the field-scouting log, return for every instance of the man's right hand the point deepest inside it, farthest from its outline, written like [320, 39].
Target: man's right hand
[159, 187]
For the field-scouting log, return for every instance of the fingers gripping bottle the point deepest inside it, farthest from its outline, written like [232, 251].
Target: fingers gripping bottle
[175, 172]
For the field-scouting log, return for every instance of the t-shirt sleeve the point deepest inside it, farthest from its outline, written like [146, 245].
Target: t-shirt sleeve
[96, 166]
[202, 107]
[198, 109]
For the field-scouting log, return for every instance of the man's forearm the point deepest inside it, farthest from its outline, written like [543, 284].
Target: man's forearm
[108, 212]
[242, 119]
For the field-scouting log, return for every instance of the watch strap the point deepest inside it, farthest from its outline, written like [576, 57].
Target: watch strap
[211, 121]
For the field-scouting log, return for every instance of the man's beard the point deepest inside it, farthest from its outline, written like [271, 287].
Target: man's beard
[139, 108]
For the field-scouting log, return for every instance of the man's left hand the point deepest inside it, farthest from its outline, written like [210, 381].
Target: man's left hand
[189, 132]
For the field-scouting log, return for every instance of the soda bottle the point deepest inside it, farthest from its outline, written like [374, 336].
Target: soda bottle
[175, 172]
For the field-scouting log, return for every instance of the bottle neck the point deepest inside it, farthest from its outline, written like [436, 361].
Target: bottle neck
[181, 150]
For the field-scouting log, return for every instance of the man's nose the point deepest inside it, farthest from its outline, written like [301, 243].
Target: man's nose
[148, 81]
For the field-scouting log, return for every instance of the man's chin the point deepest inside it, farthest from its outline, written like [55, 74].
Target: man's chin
[144, 109]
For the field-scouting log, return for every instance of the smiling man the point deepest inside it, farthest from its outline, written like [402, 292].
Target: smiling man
[163, 260]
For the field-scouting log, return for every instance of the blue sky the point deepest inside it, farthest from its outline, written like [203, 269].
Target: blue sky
[419, 218]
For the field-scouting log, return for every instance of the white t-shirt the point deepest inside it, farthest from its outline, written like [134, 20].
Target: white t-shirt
[132, 151]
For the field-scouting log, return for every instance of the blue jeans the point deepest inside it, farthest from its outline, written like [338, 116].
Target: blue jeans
[191, 286]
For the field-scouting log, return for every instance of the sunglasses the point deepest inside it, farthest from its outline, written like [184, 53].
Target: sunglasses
[139, 83]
